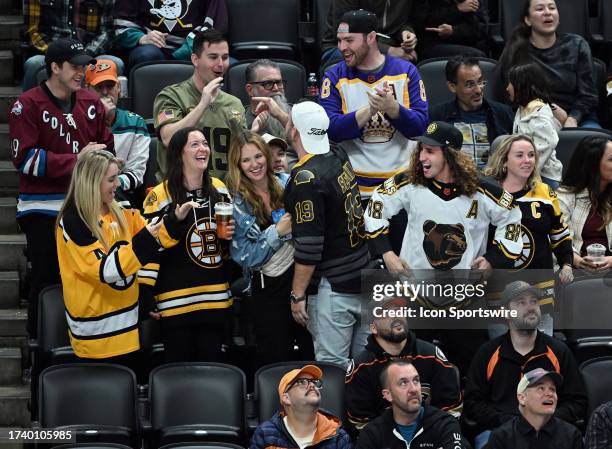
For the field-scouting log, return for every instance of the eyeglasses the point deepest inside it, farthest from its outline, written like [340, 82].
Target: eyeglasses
[269, 84]
[473, 84]
[305, 383]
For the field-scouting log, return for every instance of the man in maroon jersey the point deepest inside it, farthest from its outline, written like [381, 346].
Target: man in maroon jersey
[50, 126]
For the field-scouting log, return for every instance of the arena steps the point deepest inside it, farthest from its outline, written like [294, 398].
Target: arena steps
[9, 291]
[8, 210]
[6, 62]
[9, 179]
[8, 95]
[11, 252]
[10, 27]
[10, 359]
[14, 406]
[5, 149]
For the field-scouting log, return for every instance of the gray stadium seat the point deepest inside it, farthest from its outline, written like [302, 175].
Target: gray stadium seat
[569, 138]
[263, 28]
[195, 402]
[96, 401]
[147, 79]
[433, 75]
[597, 380]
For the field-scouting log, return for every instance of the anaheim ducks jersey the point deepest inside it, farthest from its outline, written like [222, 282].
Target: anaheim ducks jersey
[543, 232]
[99, 283]
[192, 275]
[327, 220]
[445, 229]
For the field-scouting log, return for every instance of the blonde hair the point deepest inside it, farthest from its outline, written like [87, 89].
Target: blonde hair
[462, 167]
[239, 183]
[84, 194]
[495, 166]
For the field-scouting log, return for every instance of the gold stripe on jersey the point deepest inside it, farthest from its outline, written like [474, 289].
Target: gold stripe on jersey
[182, 282]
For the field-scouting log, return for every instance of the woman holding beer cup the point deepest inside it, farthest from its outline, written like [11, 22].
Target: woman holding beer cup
[189, 282]
[585, 196]
[261, 244]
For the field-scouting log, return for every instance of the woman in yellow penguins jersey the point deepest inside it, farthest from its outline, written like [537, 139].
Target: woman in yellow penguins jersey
[189, 282]
[515, 166]
[100, 248]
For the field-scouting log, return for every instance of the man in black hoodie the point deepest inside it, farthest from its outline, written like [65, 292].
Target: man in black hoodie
[409, 423]
[391, 339]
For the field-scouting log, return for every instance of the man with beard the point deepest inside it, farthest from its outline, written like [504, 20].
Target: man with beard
[300, 421]
[375, 104]
[536, 426]
[268, 106]
[391, 340]
[490, 398]
[409, 422]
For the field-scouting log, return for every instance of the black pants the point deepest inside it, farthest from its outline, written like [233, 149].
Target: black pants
[39, 230]
[196, 336]
[276, 332]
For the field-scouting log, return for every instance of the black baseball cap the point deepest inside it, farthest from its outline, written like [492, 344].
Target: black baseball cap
[358, 21]
[442, 134]
[70, 50]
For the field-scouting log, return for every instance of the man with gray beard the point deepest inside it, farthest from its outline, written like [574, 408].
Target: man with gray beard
[490, 391]
[391, 339]
[268, 107]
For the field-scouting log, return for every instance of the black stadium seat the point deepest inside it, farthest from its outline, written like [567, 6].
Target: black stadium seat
[92, 446]
[433, 75]
[147, 79]
[212, 445]
[569, 138]
[597, 380]
[266, 387]
[193, 402]
[585, 308]
[52, 345]
[263, 28]
[96, 401]
[293, 72]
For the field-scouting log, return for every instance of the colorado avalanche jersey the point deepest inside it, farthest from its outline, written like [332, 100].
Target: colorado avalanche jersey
[45, 142]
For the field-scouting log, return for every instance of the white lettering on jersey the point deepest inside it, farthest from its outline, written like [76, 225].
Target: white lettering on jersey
[91, 112]
[15, 147]
[55, 124]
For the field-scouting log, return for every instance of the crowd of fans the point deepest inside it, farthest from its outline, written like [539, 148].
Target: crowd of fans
[319, 192]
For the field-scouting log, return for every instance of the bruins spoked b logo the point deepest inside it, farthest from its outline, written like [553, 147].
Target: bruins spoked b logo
[202, 245]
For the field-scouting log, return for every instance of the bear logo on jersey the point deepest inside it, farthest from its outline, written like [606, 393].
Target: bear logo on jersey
[444, 244]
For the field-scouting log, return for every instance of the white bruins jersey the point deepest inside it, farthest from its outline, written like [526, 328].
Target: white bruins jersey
[445, 230]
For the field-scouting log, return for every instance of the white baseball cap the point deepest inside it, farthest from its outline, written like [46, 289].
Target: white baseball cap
[312, 122]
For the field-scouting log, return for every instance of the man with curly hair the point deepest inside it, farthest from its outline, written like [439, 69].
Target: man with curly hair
[449, 210]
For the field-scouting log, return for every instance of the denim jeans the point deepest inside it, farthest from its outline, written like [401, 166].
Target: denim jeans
[34, 63]
[336, 324]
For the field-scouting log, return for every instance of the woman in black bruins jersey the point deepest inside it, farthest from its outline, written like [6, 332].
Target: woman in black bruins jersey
[189, 281]
[100, 248]
[515, 166]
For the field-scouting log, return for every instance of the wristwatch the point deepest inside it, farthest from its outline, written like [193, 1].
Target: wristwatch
[295, 299]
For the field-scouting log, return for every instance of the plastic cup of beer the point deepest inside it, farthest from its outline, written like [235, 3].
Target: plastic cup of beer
[596, 252]
[223, 216]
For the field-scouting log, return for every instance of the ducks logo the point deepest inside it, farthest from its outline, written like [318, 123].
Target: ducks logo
[170, 12]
